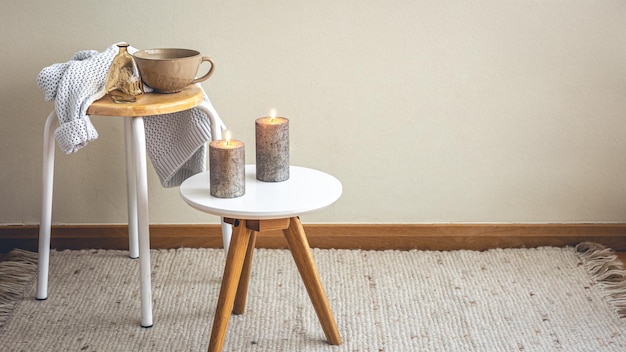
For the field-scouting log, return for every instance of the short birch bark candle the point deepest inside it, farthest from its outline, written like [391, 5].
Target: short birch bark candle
[227, 168]
[272, 148]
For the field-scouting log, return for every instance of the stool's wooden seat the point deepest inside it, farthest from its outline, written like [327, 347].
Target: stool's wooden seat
[149, 104]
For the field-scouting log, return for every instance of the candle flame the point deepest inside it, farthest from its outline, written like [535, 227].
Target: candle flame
[272, 115]
[227, 136]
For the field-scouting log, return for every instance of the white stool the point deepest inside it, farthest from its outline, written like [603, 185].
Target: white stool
[136, 179]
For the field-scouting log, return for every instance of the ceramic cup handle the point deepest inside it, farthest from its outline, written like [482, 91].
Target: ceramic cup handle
[206, 75]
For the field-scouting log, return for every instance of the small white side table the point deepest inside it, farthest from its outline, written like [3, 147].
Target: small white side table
[266, 206]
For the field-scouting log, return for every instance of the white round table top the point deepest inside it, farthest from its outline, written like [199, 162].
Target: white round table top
[305, 191]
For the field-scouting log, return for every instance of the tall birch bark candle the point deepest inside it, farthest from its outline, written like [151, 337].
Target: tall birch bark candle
[227, 168]
[272, 148]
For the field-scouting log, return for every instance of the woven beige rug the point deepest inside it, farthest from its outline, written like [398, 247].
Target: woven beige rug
[546, 299]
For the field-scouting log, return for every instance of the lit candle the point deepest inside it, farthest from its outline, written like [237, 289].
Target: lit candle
[227, 167]
[272, 148]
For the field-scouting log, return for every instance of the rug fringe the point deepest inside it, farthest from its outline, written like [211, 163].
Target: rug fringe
[16, 271]
[608, 272]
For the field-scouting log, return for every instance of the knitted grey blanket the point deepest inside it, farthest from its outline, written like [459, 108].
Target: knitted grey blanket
[176, 143]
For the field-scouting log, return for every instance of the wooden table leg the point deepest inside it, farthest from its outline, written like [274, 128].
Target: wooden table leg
[242, 289]
[230, 282]
[299, 246]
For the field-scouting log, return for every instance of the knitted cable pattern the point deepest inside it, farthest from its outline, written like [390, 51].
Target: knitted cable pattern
[175, 143]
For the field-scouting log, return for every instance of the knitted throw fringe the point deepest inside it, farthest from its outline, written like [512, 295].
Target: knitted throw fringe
[16, 272]
[607, 271]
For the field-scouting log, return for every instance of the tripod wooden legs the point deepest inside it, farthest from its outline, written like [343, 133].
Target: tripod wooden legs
[230, 281]
[242, 289]
[299, 246]
[236, 277]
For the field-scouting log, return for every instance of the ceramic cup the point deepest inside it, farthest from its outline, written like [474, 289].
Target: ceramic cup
[170, 70]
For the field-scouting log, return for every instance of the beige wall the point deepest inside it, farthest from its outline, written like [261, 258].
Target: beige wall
[428, 111]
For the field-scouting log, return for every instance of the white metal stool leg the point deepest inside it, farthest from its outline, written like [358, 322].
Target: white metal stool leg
[141, 177]
[131, 191]
[217, 125]
[46, 207]
[227, 231]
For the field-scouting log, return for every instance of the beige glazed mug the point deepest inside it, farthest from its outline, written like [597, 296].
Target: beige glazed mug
[170, 70]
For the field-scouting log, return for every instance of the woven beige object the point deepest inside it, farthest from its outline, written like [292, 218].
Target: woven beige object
[546, 299]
